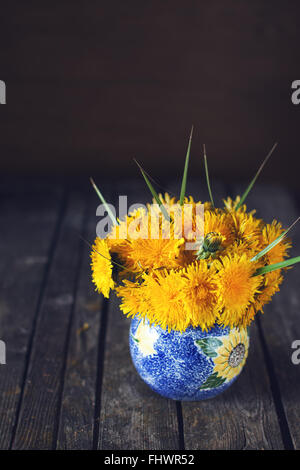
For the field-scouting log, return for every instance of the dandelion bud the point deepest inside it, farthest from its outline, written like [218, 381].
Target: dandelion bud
[212, 242]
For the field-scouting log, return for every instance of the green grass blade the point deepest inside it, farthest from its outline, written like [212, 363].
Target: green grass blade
[207, 177]
[185, 171]
[274, 243]
[154, 193]
[154, 181]
[244, 196]
[111, 215]
[273, 267]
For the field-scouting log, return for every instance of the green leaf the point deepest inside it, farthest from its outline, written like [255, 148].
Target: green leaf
[154, 181]
[111, 215]
[209, 352]
[269, 247]
[214, 342]
[211, 342]
[154, 193]
[186, 165]
[208, 346]
[207, 177]
[255, 178]
[274, 243]
[272, 267]
[213, 381]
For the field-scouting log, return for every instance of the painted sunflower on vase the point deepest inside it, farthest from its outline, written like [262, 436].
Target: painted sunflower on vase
[192, 276]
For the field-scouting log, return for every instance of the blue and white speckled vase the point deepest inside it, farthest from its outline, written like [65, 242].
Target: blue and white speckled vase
[193, 365]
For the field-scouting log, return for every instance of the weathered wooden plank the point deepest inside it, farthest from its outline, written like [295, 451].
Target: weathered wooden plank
[76, 425]
[280, 323]
[29, 216]
[132, 416]
[244, 416]
[38, 417]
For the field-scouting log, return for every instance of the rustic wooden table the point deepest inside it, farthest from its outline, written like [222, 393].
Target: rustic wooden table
[69, 382]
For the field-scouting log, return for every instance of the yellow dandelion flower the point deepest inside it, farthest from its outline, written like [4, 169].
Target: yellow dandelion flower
[176, 287]
[167, 301]
[155, 254]
[220, 224]
[116, 243]
[119, 247]
[249, 316]
[209, 207]
[269, 287]
[239, 248]
[134, 226]
[232, 354]
[199, 294]
[279, 252]
[230, 204]
[120, 250]
[247, 229]
[189, 220]
[135, 300]
[102, 267]
[236, 287]
[166, 199]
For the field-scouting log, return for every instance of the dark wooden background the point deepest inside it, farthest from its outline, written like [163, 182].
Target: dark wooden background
[92, 84]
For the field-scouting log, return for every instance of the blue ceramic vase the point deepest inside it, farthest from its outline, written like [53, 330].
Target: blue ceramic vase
[193, 365]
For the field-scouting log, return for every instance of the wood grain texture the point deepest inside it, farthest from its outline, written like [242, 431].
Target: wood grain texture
[132, 415]
[243, 417]
[76, 424]
[29, 215]
[38, 418]
[69, 382]
[280, 323]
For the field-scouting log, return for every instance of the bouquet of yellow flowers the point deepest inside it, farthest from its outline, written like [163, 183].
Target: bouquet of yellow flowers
[234, 268]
